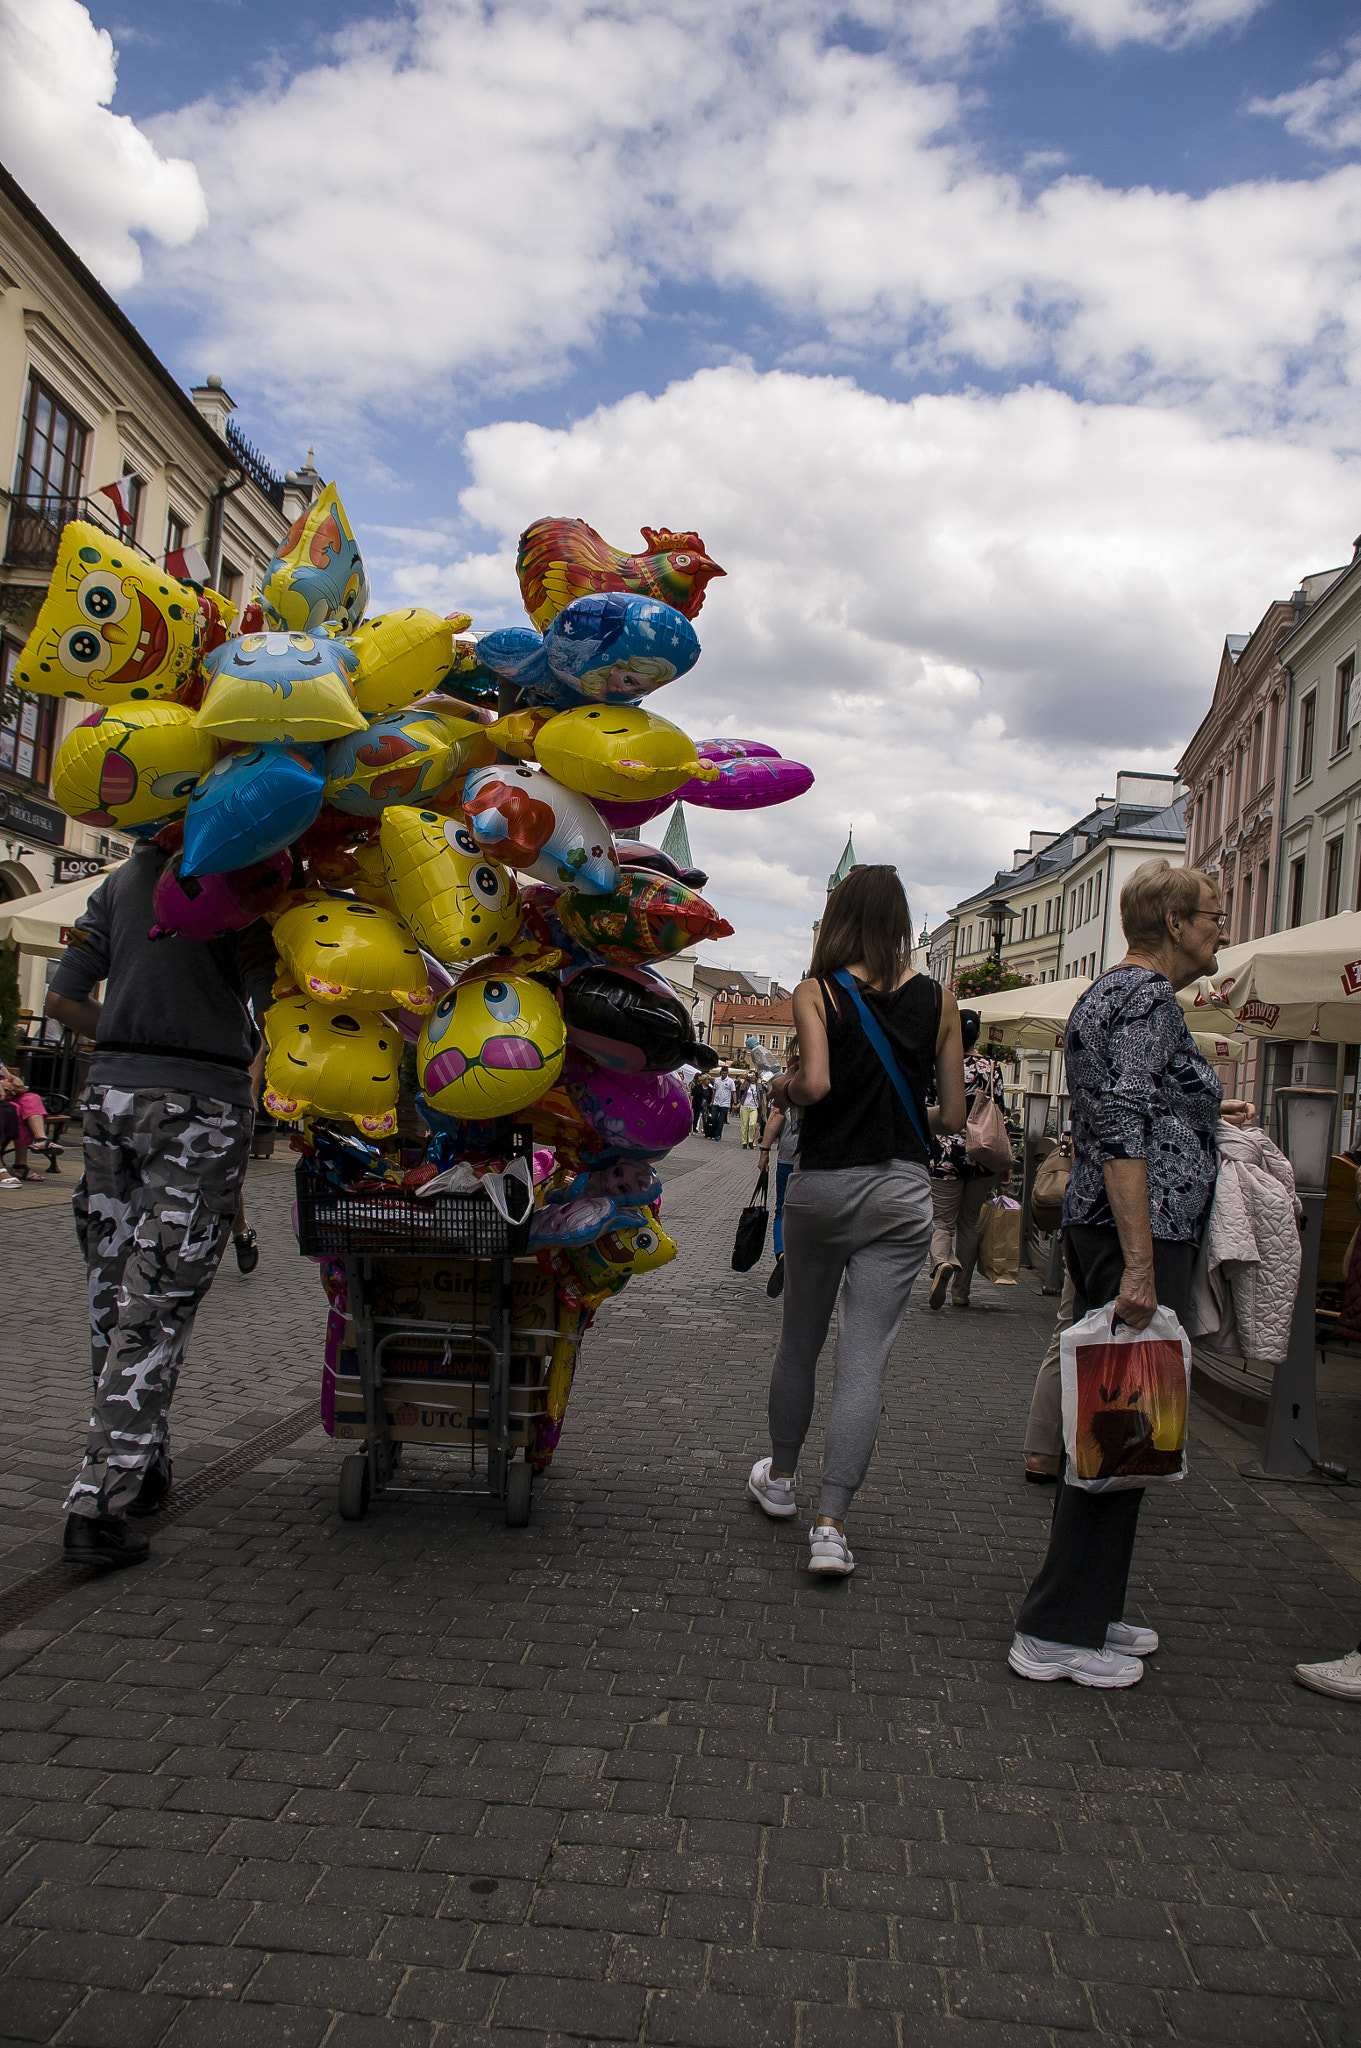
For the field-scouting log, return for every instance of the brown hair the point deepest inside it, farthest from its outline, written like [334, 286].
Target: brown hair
[866, 919]
[1155, 892]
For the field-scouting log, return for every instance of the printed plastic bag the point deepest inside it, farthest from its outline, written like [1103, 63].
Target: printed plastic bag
[1125, 1396]
[999, 1241]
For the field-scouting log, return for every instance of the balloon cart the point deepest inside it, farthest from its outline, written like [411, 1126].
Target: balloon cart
[447, 1342]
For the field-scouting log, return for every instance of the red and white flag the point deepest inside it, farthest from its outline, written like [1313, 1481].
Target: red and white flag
[124, 495]
[188, 564]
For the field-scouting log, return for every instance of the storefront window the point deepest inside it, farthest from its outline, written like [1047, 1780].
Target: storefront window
[26, 724]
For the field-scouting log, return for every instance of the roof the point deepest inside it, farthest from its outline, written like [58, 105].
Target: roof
[1168, 824]
[772, 1009]
[1108, 821]
[676, 843]
[717, 978]
[1235, 643]
[844, 865]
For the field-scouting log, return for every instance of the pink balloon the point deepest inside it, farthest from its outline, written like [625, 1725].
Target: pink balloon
[209, 906]
[735, 750]
[640, 1116]
[620, 816]
[751, 783]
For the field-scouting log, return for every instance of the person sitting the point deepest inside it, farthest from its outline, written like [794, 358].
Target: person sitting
[23, 1124]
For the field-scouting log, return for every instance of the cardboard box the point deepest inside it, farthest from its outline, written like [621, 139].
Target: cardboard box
[430, 1411]
[435, 1290]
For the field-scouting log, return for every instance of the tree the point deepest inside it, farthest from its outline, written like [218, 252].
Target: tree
[9, 999]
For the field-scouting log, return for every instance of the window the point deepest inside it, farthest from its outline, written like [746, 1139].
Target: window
[1308, 708]
[1219, 802]
[1342, 698]
[176, 533]
[1255, 759]
[26, 727]
[1087, 913]
[1246, 932]
[1048, 913]
[136, 488]
[1072, 909]
[1096, 897]
[1271, 739]
[229, 582]
[1296, 893]
[52, 454]
[1228, 911]
[1332, 877]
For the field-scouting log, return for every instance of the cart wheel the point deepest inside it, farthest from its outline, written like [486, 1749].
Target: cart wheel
[519, 1481]
[354, 1487]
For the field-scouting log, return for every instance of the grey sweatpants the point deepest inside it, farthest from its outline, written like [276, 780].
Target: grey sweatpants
[863, 1230]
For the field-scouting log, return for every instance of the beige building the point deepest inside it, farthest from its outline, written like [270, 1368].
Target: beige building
[84, 404]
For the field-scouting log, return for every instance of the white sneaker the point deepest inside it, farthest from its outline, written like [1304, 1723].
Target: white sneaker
[1341, 1679]
[1031, 1658]
[828, 1551]
[776, 1496]
[1133, 1640]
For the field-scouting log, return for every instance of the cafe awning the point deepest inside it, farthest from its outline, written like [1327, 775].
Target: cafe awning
[1033, 1018]
[1300, 984]
[40, 924]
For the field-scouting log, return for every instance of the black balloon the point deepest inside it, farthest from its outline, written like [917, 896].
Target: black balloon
[626, 1021]
[633, 854]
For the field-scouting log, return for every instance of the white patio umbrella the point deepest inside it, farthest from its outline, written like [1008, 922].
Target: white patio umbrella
[1034, 1019]
[37, 924]
[1300, 984]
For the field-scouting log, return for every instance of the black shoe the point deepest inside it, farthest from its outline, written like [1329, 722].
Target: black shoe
[775, 1284]
[247, 1251]
[155, 1487]
[103, 1540]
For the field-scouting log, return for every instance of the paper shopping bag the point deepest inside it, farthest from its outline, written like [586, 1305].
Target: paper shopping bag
[999, 1241]
[1125, 1396]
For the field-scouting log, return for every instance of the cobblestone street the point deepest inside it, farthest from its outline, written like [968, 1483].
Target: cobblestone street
[629, 1775]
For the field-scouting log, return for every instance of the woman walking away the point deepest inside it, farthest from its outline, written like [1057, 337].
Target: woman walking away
[782, 1133]
[958, 1187]
[1145, 1103]
[873, 1037]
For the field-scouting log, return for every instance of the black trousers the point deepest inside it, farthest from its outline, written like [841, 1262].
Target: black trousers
[1079, 1590]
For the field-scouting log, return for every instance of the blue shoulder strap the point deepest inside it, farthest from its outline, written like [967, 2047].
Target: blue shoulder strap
[874, 1032]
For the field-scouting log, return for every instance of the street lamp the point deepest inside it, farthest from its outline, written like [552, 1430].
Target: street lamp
[1306, 1138]
[1036, 1111]
[998, 915]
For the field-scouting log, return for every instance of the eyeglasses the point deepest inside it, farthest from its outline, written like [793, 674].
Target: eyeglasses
[1221, 918]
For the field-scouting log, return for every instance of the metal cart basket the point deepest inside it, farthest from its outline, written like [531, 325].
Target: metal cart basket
[491, 1369]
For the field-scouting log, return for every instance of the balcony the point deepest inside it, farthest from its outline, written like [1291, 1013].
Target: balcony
[35, 529]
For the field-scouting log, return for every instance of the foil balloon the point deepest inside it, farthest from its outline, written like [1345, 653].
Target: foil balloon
[412, 1022]
[131, 765]
[352, 955]
[646, 918]
[613, 648]
[524, 818]
[637, 1116]
[629, 1021]
[634, 1243]
[458, 904]
[493, 1044]
[408, 757]
[279, 686]
[399, 656]
[515, 654]
[749, 783]
[113, 628]
[635, 853]
[317, 575]
[331, 1062]
[628, 817]
[735, 750]
[369, 881]
[562, 559]
[622, 752]
[207, 907]
[249, 805]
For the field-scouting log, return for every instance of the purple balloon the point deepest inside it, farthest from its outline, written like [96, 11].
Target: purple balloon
[209, 906]
[735, 750]
[620, 816]
[640, 1116]
[407, 1022]
[749, 784]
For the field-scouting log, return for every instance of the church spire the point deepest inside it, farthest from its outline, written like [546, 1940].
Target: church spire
[676, 843]
[844, 865]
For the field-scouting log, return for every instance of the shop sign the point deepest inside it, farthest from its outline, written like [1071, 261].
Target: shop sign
[79, 867]
[29, 819]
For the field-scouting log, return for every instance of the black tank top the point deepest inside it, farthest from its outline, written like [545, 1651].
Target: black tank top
[861, 1121]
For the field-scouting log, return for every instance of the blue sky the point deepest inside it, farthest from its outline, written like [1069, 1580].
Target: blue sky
[1004, 352]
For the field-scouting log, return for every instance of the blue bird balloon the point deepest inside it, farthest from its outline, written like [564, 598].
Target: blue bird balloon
[611, 647]
[250, 805]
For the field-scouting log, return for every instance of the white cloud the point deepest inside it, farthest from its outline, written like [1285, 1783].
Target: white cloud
[95, 174]
[1108, 23]
[965, 613]
[1327, 111]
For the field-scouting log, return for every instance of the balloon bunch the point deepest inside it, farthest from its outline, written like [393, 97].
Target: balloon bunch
[433, 875]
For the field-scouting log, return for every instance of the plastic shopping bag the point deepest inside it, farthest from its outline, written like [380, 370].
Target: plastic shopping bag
[999, 1241]
[1125, 1395]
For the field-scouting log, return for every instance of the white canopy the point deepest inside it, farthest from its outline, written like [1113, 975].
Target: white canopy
[1034, 1018]
[37, 923]
[1300, 984]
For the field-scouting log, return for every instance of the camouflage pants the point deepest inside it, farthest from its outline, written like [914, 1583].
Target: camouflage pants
[153, 1212]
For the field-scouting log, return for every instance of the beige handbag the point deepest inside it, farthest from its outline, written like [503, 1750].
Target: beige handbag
[987, 1141]
[1051, 1185]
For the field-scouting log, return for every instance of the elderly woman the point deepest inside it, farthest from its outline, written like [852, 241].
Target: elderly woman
[1145, 1103]
[23, 1124]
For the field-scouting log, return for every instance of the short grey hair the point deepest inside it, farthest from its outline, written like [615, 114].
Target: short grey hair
[1155, 892]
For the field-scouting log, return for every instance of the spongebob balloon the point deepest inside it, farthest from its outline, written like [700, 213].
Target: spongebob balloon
[352, 955]
[589, 1274]
[113, 628]
[618, 751]
[457, 902]
[401, 655]
[279, 686]
[131, 765]
[493, 1045]
[331, 1062]
[317, 576]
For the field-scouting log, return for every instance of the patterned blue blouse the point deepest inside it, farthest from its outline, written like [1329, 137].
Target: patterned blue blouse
[1140, 1089]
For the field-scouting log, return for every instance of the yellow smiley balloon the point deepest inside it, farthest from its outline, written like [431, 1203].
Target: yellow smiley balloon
[331, 1062]
[114, 629]
[617, 751]
[401, 655]
[458, 903]
[492, 1045]
[131, 764]
[353, 956]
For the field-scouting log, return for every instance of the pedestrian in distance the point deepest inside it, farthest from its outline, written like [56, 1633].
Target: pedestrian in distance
[873, 1036]
[167, 1134]
[780, 1134]
[699, 1101]
[750, 1114]
[959, 1188]
[721, 1097]
[1145, 1106]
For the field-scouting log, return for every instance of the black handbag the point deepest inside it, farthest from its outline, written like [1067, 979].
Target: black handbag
[750, 1241]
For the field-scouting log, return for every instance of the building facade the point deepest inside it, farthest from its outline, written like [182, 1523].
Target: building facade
[768, 1019]
[85, 405]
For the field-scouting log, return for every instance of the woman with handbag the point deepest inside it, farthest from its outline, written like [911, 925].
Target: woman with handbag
[873, 1037]
[967, 1169]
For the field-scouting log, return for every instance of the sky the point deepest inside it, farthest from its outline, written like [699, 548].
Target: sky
[1003, 352]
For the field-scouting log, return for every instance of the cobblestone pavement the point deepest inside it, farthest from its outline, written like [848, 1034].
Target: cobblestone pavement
[629, 1775]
